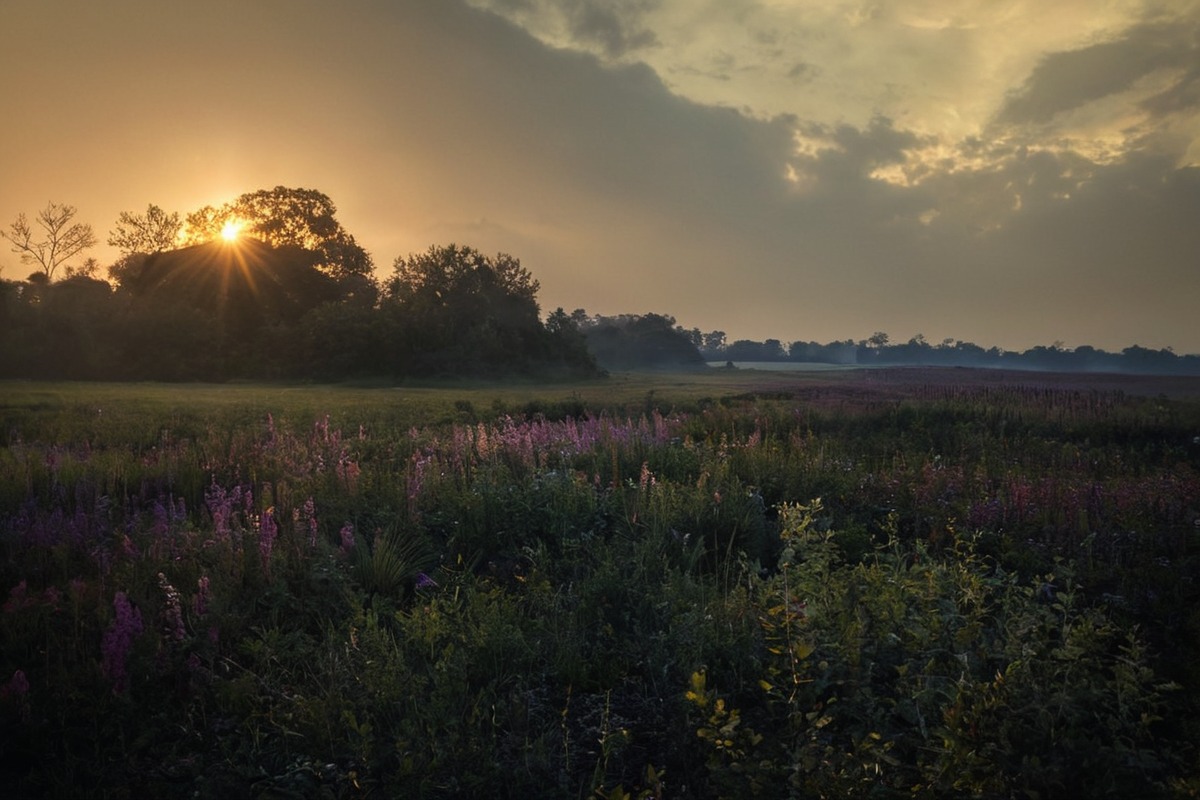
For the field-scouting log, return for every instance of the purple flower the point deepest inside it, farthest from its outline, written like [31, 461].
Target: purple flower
[17, 685]
[17, 689]
[18, 598]
[310, 516]
[172, 613]
[200, 600]
[267, 533]
[346, 535]
[425, 582]
[117, 642]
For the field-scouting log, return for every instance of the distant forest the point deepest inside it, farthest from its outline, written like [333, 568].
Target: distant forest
[877, 350]
[271, 287]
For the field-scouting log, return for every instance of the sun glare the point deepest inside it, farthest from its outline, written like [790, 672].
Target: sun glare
[231, 230]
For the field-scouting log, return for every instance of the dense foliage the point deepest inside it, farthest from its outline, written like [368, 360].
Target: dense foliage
[993, 596]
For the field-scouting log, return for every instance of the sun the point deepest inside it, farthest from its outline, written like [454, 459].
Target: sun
[231, 230]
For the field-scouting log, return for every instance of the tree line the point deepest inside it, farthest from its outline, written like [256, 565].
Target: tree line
[878, 350]
[272, 286]
[269, 286]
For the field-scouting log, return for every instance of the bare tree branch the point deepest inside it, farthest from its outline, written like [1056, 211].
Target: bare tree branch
[152, 232]
[62, 239]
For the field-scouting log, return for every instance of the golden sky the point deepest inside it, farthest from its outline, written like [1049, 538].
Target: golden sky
[1007, 173]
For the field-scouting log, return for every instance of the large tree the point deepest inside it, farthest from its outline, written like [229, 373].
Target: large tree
[60, 240]
[452, 306]
[441, 272]
[452, 309]
[280, 217]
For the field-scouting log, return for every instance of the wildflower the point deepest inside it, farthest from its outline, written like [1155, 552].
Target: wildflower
[220, 506]
[17, 598]
[172, 613]
[425, 582]
[17, 685]
[310, 515]
[17, 689]
[267, 532]
[348, 471]
[162, 521]
[200, 599]
[117, 642]
[346, 536]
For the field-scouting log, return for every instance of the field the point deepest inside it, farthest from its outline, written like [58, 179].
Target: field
[885, 583]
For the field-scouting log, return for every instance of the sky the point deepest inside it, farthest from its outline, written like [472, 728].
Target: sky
[1010, 173]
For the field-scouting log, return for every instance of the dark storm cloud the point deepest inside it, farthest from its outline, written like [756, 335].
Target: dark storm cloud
[611, 25]
[1183, 96]
[1068, 80]
[618, 130]
[855, 151]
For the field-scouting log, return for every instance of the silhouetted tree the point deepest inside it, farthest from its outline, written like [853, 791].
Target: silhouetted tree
[152, 232]
[281, 216]
[714, 343]
[452, 309]
[61, 239]
[749, 350]
[569, 350]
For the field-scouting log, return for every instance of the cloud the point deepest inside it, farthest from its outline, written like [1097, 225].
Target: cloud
[612, 28]
[1067, 80]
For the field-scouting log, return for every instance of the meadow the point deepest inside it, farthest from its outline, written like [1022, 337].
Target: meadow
[725, 584]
